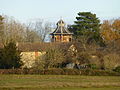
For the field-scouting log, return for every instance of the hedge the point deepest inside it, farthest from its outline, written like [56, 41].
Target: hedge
[57, 71]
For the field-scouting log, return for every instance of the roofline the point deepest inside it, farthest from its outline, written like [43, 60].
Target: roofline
[61, 33]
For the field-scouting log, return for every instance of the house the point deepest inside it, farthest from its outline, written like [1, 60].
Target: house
[31, 51]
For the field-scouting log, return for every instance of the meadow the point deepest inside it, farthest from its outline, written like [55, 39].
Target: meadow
[59, 82]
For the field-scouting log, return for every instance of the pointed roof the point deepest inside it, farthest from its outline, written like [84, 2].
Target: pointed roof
[61, 29]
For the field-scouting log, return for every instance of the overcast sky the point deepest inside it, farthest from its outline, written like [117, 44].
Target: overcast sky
[52, 10]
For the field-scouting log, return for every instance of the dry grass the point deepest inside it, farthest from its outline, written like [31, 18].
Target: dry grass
[57, 81]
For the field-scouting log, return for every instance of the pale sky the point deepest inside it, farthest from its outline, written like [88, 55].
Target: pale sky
[52, 10]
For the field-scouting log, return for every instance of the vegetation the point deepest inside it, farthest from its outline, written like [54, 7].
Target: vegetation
[59, 71]
[10, 56]
[87, 26]
[110, 30]
[117, 69]
[1, 28]
[30, 32]
[58, 82]
[95, 46]
[52, 58]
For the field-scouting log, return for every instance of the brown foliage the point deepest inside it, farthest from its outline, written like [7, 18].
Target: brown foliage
[110, 30]
[59, 71]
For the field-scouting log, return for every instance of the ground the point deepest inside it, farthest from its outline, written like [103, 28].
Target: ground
[59, 82]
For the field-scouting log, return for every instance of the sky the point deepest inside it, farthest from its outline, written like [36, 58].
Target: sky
[52, 10]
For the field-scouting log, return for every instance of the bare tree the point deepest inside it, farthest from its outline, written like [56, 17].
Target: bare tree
[19, 32]
[2, 32]
[13, 30]
[43, 28]
[31, 34]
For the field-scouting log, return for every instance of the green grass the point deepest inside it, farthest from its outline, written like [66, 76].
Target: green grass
[59, 82]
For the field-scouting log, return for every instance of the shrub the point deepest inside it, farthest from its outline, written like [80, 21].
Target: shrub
[10, 56]
[51, 59]
[83, 57]
[58, 71]
[71, 72]
[95, 61]
[54, 71]
[92, 66]
[117, 69]
[111, 61]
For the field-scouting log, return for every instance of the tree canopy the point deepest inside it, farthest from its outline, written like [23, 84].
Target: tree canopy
[87, 25]
[110, 30]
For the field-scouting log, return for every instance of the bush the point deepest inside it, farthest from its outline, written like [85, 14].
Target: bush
[51, 59]
[54, 71]
[10, 56]
[92, 66]
[117, 69]
[71, 72]
[111, 61]
[58, 71]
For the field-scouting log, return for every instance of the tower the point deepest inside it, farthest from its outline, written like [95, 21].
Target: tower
[61, 33]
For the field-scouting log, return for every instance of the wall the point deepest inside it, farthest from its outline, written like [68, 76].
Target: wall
[63, 38]
[29, 58]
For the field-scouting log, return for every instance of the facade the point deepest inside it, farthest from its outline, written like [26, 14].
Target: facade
[30, 52]
[61, 33]
[29, 58]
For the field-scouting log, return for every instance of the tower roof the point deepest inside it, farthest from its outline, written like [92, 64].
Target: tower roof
[61, 29]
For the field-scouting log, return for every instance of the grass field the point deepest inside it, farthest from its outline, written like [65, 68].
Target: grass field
[59, 82]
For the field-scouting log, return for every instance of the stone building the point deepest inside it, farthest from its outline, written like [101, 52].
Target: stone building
[61, 33]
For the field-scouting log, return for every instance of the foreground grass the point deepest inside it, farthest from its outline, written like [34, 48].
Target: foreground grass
[59, 82]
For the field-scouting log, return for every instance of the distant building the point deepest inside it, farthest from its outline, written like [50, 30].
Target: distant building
[61, 33]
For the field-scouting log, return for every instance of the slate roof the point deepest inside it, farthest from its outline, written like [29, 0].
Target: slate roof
[61, 29]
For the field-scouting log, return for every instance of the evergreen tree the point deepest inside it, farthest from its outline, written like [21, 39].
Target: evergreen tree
[10, 56]
[87, 26]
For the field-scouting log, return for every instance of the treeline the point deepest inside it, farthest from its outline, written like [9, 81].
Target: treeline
[31, 32]
[95, 46]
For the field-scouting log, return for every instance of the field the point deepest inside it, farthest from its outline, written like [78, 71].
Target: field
[59, 82]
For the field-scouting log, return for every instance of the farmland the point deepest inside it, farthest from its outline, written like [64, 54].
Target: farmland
[58, 82]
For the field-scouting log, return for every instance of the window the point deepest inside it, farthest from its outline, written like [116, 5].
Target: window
[70, 39]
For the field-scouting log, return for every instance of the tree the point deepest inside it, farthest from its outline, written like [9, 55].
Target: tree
[32, 36]
[51, 59]
[116, 26]
[41, 28]
[87, 26]
[1, 28]
[111, 60]
[110, 30]
[12, 29]
[10, 56]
